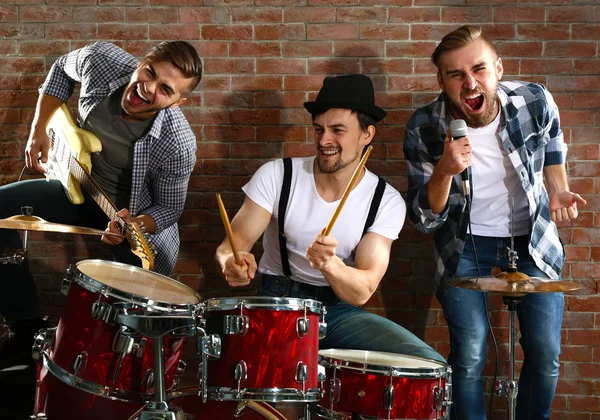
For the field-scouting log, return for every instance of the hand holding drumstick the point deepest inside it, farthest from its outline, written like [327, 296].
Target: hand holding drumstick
[239, 268]
[322, 250]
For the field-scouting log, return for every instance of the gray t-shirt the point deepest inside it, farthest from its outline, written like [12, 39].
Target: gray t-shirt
[112, 167]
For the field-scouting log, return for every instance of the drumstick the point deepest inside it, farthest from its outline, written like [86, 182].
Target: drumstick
[225, 220]
[349, 188]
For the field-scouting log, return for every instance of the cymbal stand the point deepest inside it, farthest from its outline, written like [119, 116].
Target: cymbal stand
[156, 327]
[18, 255]
[509, 387]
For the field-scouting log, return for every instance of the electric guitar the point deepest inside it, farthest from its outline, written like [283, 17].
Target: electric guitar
[69, 161]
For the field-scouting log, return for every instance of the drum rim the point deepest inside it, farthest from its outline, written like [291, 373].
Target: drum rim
[97, 286]
[263, 302]
[263, 394]
[328, 361]
[90, 387]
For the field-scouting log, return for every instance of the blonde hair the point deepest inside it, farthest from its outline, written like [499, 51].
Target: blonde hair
[459, 38]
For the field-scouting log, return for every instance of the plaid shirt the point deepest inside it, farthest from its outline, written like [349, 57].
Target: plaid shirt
[531, 136]
[163, 158]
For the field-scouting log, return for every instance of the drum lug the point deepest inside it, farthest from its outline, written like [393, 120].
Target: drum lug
[241, 371]
[210, 346]
[80, 362]
[388, 398]
[240, 374]
[65, 286]
[302, 374]
[335, 390]
[438, 398]
[323, 325]
[179, 371]
[42, 340]
[148, 380]
[236, 324]
[302, 327]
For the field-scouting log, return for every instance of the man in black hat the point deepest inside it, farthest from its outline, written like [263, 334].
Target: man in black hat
[341, 270]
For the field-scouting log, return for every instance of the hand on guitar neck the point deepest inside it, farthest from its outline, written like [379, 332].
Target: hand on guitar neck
[124, 218]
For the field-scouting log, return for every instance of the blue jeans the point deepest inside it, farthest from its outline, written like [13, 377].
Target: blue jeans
[350, 327]
[540, 319]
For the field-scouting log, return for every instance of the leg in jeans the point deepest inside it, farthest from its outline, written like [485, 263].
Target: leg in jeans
[464, 311]
[350, 327]
[540, 321]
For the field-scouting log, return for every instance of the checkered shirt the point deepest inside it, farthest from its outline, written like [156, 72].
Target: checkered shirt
[530, 134]
[163, 158]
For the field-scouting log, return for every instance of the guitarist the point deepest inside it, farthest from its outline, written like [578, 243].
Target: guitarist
[148, 153]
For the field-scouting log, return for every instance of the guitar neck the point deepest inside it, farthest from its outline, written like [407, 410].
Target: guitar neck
[92, 187]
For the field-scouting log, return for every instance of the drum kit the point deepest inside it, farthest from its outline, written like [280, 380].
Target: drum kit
[117, 352]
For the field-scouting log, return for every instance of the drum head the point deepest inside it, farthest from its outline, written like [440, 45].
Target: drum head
[135, 281]
[381, 362]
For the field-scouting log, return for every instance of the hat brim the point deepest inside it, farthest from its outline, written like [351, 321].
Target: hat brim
[319, 107]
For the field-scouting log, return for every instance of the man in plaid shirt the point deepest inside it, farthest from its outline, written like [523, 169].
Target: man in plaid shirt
[148, 154]
[513, 144]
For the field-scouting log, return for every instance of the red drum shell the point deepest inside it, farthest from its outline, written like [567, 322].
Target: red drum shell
[271, 348]
[364, 376]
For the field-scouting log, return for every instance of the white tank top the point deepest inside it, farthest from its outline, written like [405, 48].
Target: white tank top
[495, 182]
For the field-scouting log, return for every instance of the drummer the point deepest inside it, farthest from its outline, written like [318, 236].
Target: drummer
[341, 270]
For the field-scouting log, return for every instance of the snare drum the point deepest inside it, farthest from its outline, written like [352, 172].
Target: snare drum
[383, 386]
[89, 352]
[193, 408]
[261, 348]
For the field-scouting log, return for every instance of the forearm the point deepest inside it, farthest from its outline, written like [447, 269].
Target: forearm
[45, 108]
[556, 179]
[352, 285]
[438, 191]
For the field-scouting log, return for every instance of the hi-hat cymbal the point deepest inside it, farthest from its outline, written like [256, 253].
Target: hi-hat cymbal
[513, 284]
[21, 222]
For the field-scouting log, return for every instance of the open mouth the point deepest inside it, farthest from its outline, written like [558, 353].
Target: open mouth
[137, 98]
[474, 102]
[329, 152]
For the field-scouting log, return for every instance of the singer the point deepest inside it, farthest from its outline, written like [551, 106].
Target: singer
[513, 144]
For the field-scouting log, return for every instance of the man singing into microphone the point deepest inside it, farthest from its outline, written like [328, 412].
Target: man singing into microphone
[513, 145]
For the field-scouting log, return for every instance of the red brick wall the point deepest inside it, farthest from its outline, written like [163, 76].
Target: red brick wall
[262, 60]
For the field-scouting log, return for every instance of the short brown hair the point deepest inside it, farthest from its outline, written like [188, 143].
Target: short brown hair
[458, 39]
[182, 55]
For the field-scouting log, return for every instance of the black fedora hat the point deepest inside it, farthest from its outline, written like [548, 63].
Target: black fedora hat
[350, 91]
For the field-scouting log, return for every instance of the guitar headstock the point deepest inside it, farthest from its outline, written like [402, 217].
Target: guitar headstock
[139, 245]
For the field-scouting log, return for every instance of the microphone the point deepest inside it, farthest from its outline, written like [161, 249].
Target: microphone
[458, 129]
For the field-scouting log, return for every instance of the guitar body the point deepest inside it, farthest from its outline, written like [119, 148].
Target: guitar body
[81, 144]
[70, 161]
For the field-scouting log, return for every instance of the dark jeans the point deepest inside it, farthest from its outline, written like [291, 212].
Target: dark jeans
[18, 294]
[540, 319]
[350, 327]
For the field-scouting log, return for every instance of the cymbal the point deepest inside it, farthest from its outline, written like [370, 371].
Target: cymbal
[21, 222]
[513, 284]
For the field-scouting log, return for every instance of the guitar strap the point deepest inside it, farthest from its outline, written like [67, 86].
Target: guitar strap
[283, 202]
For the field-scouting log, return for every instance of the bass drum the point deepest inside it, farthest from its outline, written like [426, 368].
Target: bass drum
[193, 408]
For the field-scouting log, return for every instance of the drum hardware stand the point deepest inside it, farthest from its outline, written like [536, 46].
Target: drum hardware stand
[156, 328]
[509, 387]
[18, 255]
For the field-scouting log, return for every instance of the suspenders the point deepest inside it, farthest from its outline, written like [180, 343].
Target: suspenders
[283, 202]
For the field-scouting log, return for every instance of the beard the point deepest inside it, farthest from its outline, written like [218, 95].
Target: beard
[338, 165]
[477, 120]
